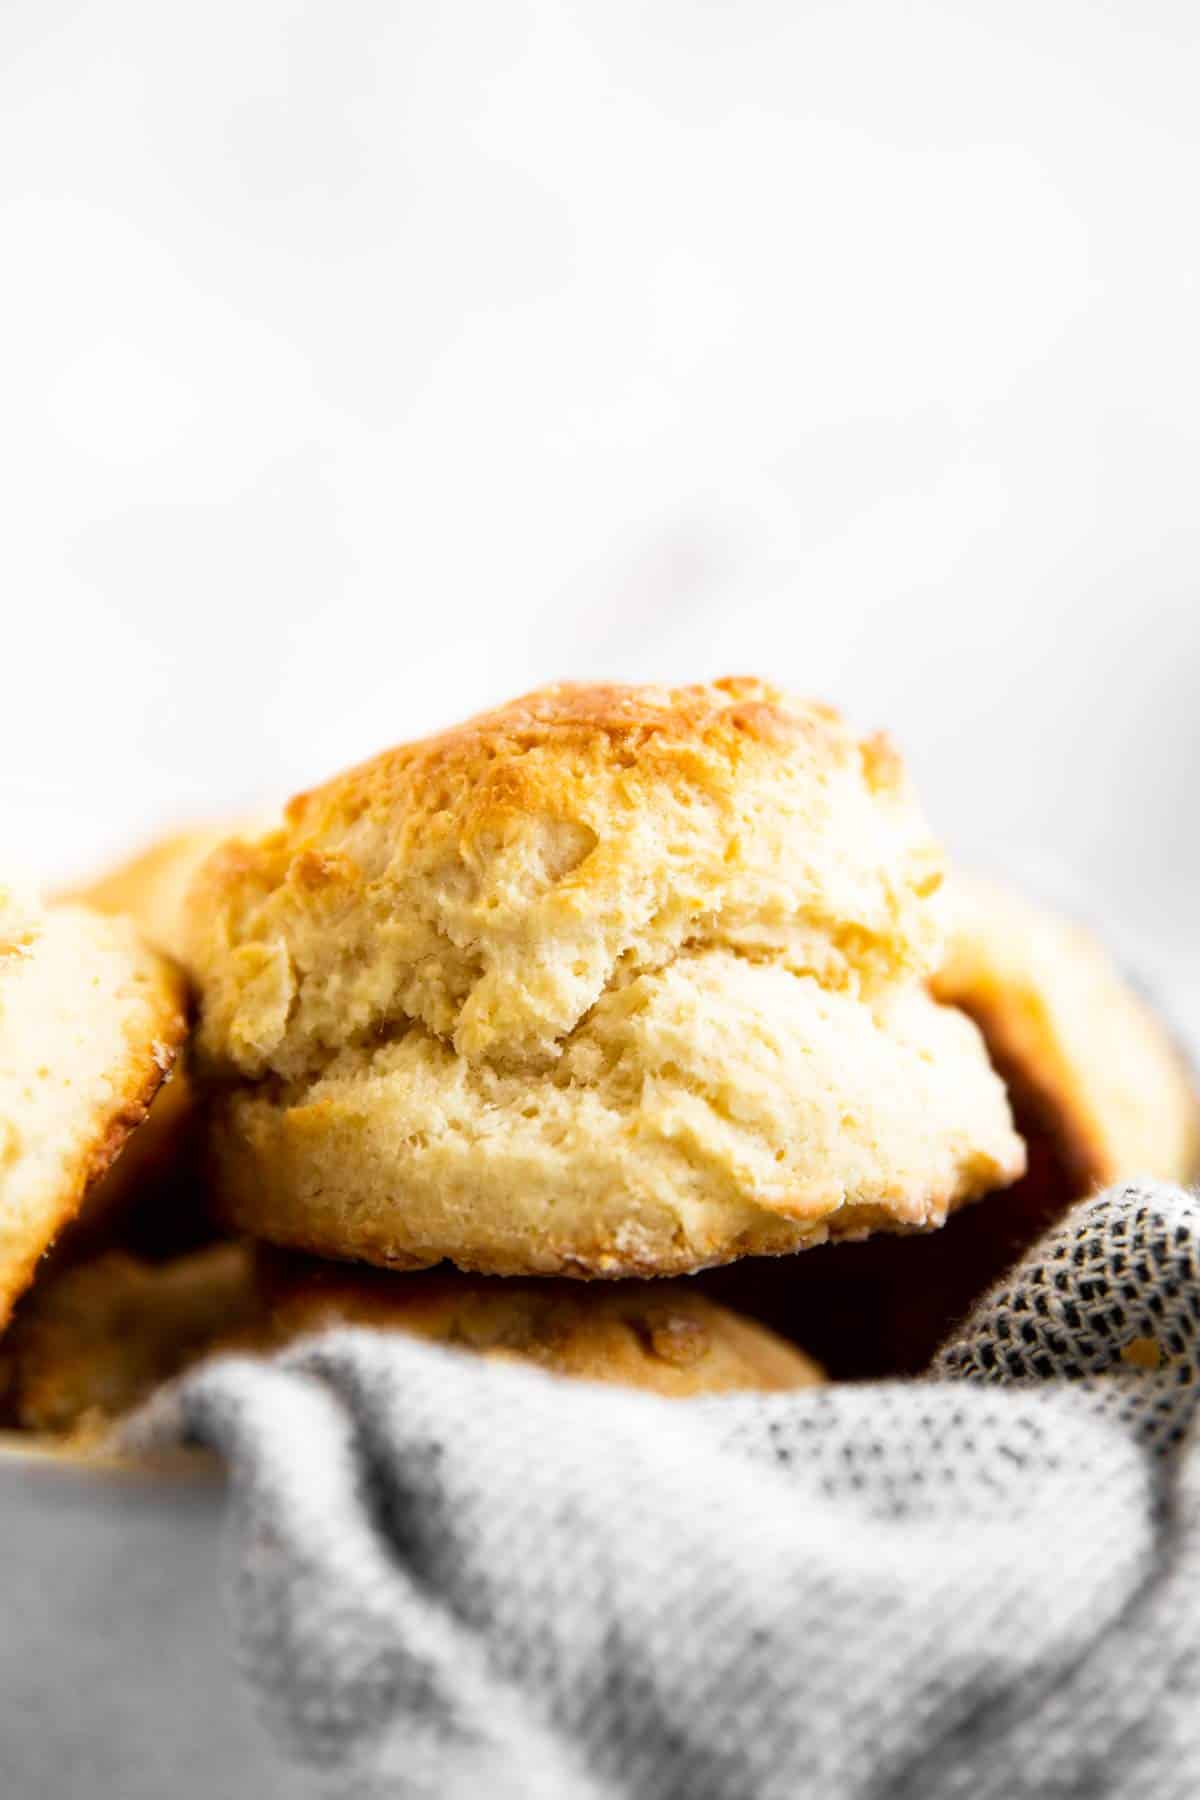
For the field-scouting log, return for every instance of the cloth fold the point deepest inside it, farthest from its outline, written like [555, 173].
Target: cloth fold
[455, 1577]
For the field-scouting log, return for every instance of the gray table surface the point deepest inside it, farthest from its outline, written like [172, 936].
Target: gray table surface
[116, 1663]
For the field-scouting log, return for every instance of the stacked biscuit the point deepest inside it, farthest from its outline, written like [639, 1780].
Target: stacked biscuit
[590, 996]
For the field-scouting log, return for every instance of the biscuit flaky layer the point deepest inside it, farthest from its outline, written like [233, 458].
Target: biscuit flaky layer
[91, 1020]
[708, 1110]
[611, 980]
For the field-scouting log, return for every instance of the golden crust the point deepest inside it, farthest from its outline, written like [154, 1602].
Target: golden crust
[1095, 1065]
[610, 981]
[150, 888]
[492, 882]
[91, 1020]
[94, 1342]
[664, 1337]
[160, 1167]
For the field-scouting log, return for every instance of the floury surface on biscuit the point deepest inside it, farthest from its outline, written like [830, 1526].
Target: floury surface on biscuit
[610, 981]
[91, 1020]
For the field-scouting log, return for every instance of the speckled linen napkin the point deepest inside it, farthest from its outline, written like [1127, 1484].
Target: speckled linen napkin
[457, 1578]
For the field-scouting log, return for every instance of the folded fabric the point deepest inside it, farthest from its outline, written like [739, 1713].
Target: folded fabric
[452, 1577]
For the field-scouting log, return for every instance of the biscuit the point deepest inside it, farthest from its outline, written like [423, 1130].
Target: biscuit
[90, 1342]
[94, 1342]
[91, 1020]
[612, 981]
[665, 1336]
[1061, 1022]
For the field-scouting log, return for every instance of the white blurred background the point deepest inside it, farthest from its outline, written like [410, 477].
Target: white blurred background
[363, 363]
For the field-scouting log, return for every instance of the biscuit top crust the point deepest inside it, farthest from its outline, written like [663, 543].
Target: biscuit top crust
[489, 883]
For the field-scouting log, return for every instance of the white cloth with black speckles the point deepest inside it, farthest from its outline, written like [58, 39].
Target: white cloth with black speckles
[458, 1578]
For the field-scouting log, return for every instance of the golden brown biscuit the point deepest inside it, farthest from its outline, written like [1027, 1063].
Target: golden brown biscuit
[664, 1336]
[95, 1341]
[90, 1342]
[1059, 1019]
[90, 1022]
[611, 981]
